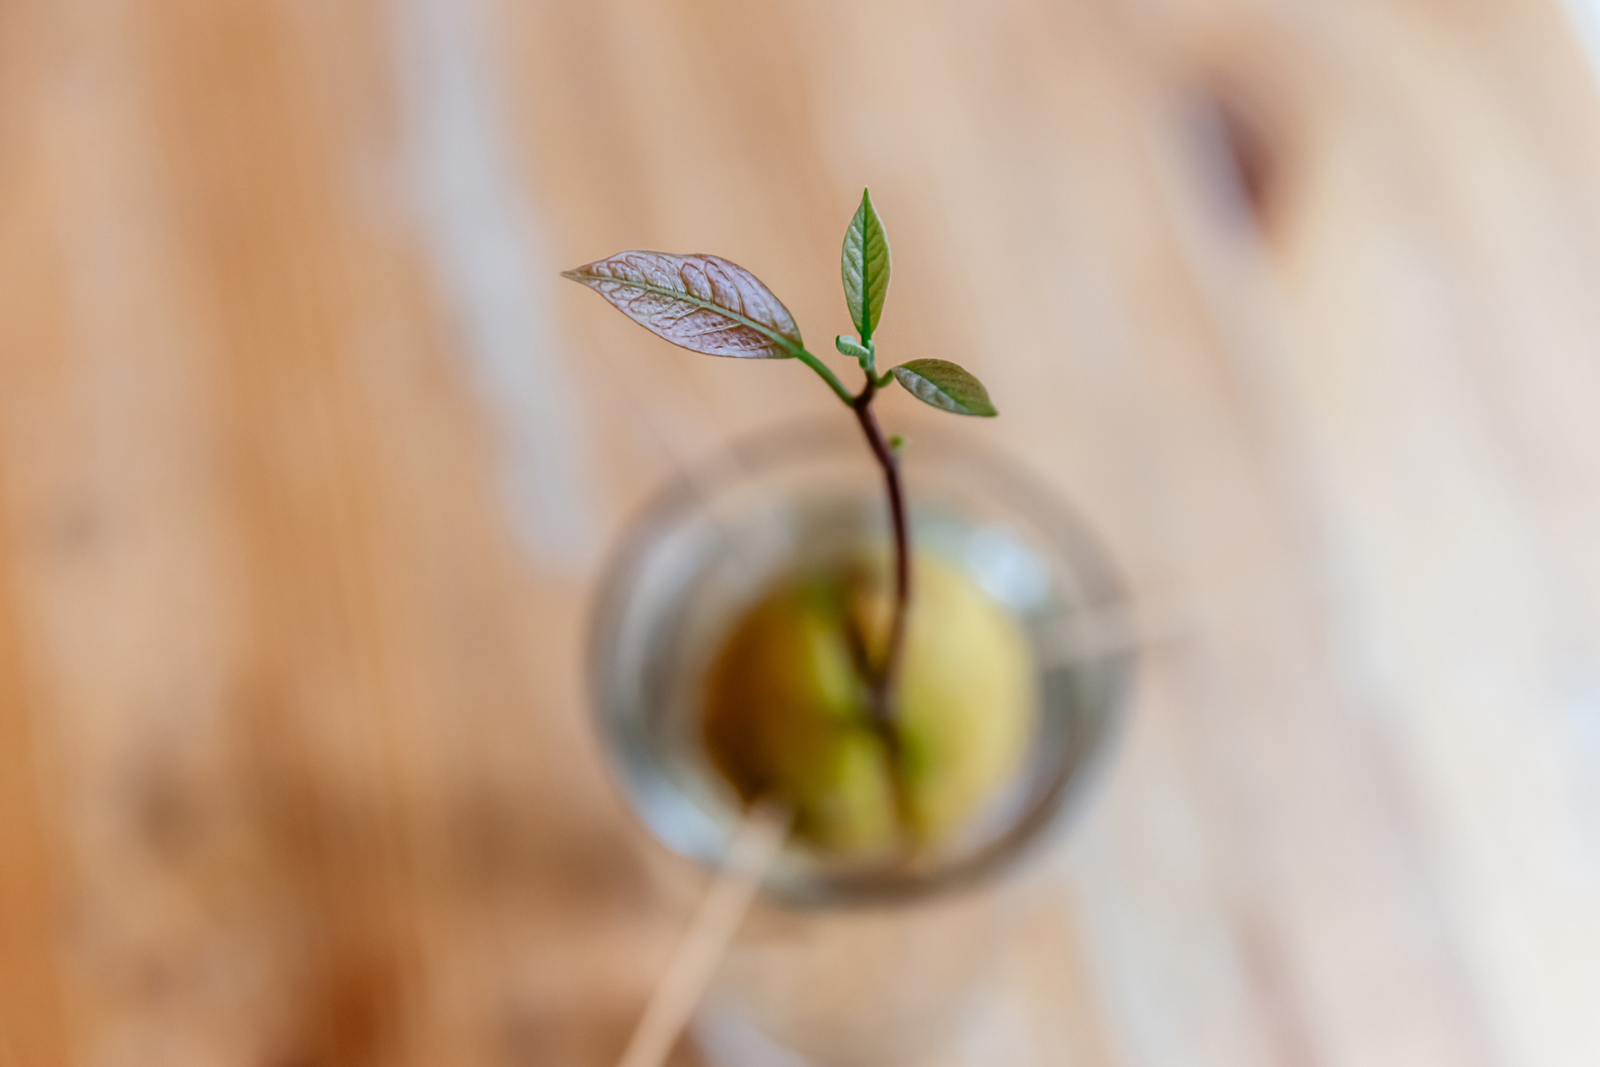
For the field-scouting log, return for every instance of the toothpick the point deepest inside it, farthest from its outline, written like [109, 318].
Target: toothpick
[1109, 630]
[756, 841]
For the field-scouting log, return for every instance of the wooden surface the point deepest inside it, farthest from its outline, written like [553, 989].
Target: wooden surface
[308, 462]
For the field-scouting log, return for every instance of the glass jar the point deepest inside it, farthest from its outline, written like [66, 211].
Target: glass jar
[840, 962]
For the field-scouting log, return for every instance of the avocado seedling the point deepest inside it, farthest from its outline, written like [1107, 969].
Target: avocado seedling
[879, 714]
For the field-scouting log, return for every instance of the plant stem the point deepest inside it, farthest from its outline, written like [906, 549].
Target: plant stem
[886, 680]
[826, 375]
[883, 680]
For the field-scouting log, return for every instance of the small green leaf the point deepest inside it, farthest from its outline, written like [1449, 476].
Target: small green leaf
[864, 266]
[945, 385]
[847, 347]
[897, 444]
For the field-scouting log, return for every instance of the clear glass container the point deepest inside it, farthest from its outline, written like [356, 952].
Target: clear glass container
[847, 963]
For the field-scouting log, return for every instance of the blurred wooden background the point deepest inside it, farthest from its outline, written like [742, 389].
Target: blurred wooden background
[308, 462]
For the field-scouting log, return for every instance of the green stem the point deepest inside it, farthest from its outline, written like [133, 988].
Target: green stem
[827, 375]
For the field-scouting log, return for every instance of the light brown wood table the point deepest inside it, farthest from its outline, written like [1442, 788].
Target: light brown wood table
[308, 462]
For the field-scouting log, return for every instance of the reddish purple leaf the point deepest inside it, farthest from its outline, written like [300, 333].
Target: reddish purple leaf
[703, 303]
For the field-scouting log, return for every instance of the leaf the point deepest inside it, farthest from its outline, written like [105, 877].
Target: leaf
[945, 385]
[847, 347]
[864, 266]
[699, 302]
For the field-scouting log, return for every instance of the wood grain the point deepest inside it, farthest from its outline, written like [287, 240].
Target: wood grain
[308, 462]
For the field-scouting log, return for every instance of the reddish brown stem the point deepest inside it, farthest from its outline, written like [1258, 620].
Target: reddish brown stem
[885, 681]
